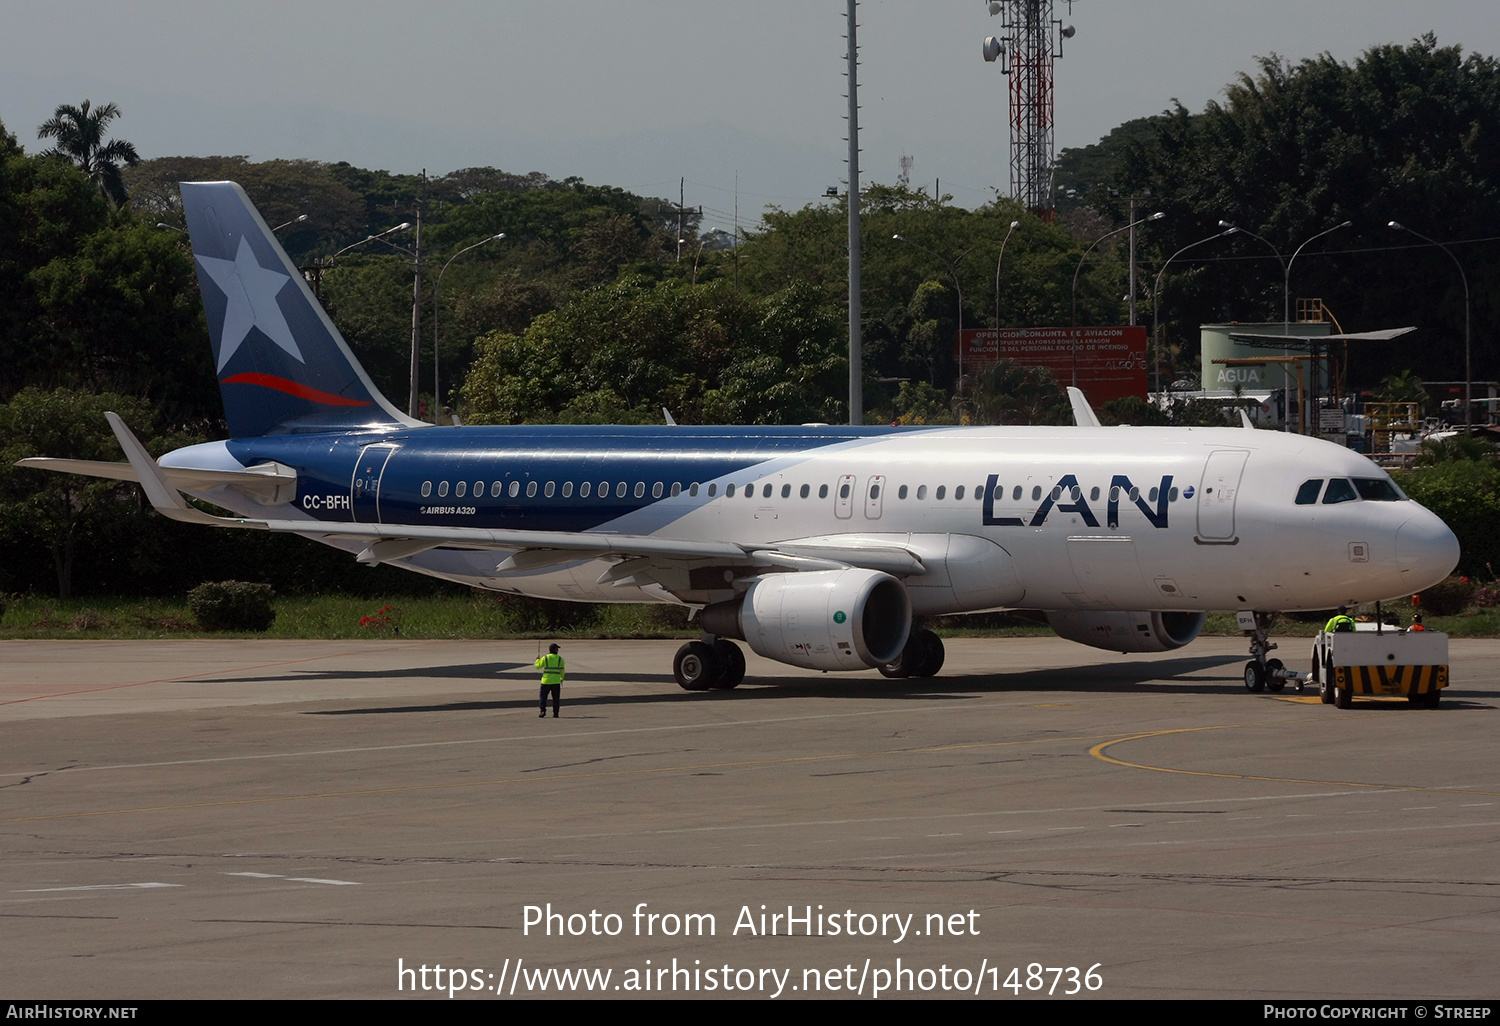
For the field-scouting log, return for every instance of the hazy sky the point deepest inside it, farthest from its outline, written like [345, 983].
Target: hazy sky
[638, 93]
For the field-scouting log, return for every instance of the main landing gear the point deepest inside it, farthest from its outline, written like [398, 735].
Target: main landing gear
[709, 665]
[1262, 674]
[922, 656]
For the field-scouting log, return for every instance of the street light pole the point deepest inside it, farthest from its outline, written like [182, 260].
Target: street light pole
[416, 303]
[1013, 226]
[437, 405]
[1468, 367]
[1156, 297]
[1286, 317]
[1279, 259]
[1152, 217]
[1286, 288]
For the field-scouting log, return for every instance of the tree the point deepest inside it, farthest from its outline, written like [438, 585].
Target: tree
[58, 508]
[1407, 133]
[80, 132]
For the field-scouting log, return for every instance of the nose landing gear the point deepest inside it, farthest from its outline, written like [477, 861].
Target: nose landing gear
[1262, 674]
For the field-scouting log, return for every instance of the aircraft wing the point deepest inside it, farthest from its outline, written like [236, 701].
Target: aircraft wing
[643, 556]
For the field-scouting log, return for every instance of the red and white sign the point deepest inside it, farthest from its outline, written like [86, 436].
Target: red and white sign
[1110, 361]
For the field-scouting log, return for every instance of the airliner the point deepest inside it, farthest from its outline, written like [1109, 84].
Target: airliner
[822, 547]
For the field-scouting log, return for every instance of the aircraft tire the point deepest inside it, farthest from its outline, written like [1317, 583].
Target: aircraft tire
[909, 662]
[1325, 682]
[696, 667]
[1255, 681]
[1274, 683]
[932, 654]
[732, 662]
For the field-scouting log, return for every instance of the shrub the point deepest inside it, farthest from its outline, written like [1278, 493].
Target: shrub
[1448, 598]
[232, 606]
[1487, 595]
[521, 614]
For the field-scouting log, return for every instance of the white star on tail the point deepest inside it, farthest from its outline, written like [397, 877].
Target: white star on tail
[251, 292]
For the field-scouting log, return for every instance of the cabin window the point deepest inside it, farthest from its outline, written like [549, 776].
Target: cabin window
[1339, 490]
[676, 489]
[620, 490]
[1114, 493]
[442, 489]
[656, 490]
[765, 492]
[750, 491]
[958, 493]
[514, 489]
[426, 489]
[1377, 489]
[901, 492]
[786, 491]
[603, 489]
[874, 491]
[1151, 497]
[478, 489]
[1015, 495]
[713, 490]
[728, 491]
[1036, 492]
[1172, 495]
[804, 491]
[584, 489]
[567, 489]
[550, 490]
[921, 491]
[495, 490]
[844, 491]
[459, 489]
[640, 489]
[942, 490]
[822, 491]
[1135, 494]
[1056, 492]
[693, 490]
[1308, 493]
[1094, 494]
[530, 489]
[1077, 493]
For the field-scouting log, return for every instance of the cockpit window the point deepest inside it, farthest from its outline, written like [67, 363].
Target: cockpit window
[1377, 489]
[1339, 490]
[1308, 493]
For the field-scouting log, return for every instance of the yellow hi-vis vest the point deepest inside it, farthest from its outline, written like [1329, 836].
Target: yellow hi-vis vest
[551, 666]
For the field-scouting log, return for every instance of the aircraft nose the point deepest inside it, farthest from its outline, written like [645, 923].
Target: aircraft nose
[1426, 546]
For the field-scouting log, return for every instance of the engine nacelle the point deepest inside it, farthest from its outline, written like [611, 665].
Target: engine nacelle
[1127, 631]
[823, 620]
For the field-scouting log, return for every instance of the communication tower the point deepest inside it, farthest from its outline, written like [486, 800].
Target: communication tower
[1027, 48]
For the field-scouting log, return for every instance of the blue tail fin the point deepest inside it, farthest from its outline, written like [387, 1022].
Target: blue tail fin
[282, 365]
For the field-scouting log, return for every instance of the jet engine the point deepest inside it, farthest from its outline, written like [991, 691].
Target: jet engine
[1127, 631]
[823, 620]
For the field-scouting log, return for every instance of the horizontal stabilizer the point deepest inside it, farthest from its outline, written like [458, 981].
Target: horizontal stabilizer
[271, 483]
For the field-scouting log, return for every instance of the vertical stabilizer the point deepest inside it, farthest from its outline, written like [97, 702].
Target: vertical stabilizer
[282, 365]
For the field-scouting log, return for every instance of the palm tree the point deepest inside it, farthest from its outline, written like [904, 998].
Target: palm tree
[79, 132]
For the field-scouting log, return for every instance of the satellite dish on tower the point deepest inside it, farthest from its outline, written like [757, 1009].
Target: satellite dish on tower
[991, 49]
